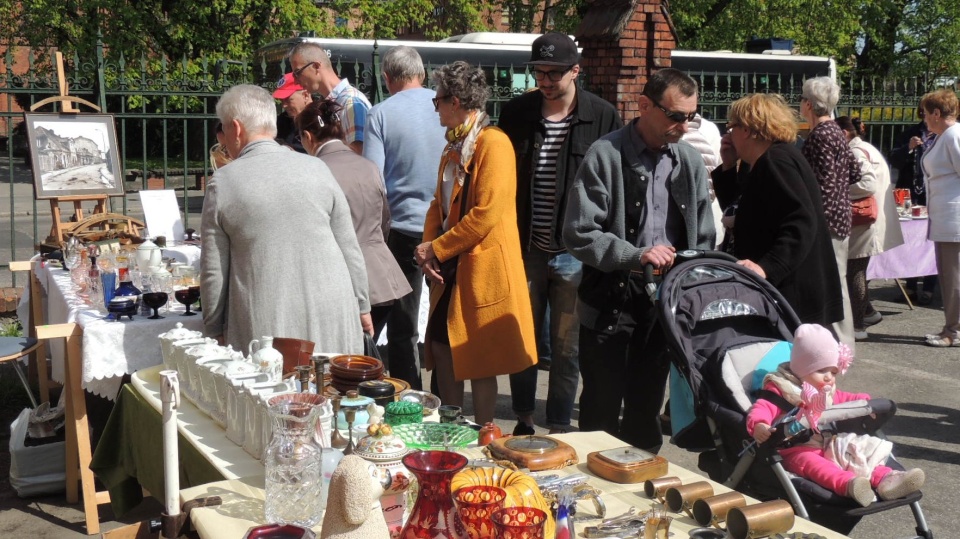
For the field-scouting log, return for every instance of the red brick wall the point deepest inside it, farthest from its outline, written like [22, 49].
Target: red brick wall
[618, 69]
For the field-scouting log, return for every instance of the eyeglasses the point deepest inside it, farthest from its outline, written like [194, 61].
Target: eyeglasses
[679, 117]
[297, 72]
[731, 125]
[554, 76]
[438, 99]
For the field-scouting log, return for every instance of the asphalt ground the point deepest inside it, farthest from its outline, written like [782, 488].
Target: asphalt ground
[892, 363]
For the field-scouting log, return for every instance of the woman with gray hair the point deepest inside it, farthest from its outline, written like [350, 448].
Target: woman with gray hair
[481, 323]
[836, 168]
[286, 264]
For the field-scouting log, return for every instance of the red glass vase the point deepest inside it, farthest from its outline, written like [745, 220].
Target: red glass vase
[434, 515]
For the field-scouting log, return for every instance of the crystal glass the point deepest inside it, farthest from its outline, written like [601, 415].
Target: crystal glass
[108, 284]
[519, 523]
[433, 513]
[476, 505]
[187, 296]
[155, 300]
[293, 466]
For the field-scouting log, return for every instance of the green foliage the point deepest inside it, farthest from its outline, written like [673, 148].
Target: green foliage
[379, 19]
[927, 39]
[11, 329]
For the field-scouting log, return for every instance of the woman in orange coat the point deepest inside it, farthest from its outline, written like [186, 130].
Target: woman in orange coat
[481, 323]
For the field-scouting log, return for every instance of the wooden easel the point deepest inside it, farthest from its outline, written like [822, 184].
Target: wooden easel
[67, 107]
[78, 449]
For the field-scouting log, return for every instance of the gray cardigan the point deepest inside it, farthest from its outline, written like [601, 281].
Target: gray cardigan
[595, 227]
[280, 256]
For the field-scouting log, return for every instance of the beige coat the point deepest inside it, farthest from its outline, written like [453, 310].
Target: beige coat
[361, 183]
[885, 233]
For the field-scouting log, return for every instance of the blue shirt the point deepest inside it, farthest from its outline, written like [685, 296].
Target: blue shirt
[405, 139]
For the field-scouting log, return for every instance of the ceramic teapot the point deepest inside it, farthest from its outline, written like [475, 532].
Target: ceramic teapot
[269, 359]
[149, 258]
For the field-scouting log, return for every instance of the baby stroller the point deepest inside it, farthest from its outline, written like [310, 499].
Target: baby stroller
[726, 328]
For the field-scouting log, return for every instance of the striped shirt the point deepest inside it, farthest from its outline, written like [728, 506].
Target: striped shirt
[545, 185]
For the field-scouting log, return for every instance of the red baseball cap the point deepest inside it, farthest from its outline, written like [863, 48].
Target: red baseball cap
[286, 87]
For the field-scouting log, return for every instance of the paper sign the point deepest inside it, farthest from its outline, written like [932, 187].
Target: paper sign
[161, 213]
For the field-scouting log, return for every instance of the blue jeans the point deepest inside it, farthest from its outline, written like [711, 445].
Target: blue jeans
[553, 279]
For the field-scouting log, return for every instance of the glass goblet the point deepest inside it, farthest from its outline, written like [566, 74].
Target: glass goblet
[155, 300]
[188, 296]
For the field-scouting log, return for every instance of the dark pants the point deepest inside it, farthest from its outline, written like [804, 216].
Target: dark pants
[625, 365]
[403, 321]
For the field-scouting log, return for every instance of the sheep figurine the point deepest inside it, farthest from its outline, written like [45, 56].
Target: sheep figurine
[353, 505]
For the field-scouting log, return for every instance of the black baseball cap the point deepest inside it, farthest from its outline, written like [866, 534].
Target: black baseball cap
[554, 49]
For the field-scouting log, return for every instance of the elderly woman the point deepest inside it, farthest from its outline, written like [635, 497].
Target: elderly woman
[481, 323]
[321, 134]
[780, 229]
[871, 239]
[941, 166]
[279, 253]
[835, 168]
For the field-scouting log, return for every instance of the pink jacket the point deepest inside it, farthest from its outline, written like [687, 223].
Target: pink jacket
[764, 411]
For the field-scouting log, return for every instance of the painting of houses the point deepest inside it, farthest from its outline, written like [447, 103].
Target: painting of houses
[74, 154]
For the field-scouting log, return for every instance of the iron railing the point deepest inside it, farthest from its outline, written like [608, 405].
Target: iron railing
[165, 116]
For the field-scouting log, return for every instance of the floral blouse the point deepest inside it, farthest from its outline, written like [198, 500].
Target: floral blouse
[836, 167]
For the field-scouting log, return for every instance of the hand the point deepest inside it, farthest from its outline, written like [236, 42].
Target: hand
[914, 142]
[423, 253]
[762, 432]
[366, 322]
[661, 256]
[753, 266]
[431, 270]
[728, 153]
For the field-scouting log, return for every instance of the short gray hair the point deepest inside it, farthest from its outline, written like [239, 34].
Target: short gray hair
[822, 93]
[403, 63]
[467, 83]
[309, 52]
[250, 105]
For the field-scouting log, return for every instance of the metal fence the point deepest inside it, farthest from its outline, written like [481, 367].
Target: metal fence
[165, 117]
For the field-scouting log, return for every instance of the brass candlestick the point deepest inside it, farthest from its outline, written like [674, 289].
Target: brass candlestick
[318, 363]
[336, 439]
[350, 414]
[304, 372]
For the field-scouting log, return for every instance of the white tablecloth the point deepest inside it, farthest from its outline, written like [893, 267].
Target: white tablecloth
[110, 349]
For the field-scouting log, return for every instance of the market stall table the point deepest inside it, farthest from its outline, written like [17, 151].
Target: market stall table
[242, 506]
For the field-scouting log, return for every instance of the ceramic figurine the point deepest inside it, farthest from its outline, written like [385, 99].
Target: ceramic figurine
[353, 507]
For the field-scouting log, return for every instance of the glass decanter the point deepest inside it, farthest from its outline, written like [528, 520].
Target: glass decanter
[293, 466]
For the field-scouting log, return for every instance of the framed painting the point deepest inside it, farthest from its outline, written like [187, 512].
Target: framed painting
[74, 154]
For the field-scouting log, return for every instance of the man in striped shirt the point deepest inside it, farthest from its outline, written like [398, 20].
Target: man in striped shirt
[551, 129]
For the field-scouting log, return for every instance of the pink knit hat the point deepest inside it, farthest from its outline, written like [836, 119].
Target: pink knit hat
[814, 348]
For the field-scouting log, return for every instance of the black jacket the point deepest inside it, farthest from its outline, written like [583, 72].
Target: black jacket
[521, 120]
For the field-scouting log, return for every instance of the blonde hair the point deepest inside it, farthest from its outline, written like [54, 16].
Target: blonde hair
[943, 100]
[766, 115]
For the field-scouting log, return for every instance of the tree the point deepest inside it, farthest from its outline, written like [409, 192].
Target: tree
[385, 19]
[162, 28]
[926, 39]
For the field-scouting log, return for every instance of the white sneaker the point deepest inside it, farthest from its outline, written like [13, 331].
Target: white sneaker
[860, 490]
[872, 319]
[898, 484]
[860, 335]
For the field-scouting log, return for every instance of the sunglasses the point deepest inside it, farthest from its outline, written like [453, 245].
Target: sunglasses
[554, 76]
[297, 72]
[679, 117]
[438, 99]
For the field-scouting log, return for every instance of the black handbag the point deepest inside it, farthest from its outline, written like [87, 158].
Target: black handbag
[448, 268]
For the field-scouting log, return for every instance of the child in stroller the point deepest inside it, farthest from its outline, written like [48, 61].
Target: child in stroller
[808, 381]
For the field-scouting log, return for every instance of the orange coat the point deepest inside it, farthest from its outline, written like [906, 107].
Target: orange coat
[490, 322]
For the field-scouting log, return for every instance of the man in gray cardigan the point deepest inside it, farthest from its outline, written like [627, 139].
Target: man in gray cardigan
[280, 256]
[639, 196]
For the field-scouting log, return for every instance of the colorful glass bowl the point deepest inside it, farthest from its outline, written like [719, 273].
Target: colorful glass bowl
[435, 435]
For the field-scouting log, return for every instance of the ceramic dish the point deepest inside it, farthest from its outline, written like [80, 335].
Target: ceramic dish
[399, 385]
[429, 401]
[435, 435]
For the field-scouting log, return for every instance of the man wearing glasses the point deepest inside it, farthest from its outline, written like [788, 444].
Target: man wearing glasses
[551, 129]
[312, 69]
[639, 197]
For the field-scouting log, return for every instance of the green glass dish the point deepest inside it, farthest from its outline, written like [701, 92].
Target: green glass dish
[403, 413]
[435, 435]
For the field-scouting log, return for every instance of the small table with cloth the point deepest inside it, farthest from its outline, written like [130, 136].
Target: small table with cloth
[914, 258]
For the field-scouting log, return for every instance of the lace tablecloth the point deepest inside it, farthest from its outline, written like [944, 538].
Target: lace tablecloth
[110, 349]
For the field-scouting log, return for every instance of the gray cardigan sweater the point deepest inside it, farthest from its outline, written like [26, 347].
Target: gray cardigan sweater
[595, 228]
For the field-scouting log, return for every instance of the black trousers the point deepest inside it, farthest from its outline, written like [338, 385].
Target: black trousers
[403, 334]
[625, 365]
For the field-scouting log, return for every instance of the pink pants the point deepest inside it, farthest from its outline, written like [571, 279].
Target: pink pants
[810, 463]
